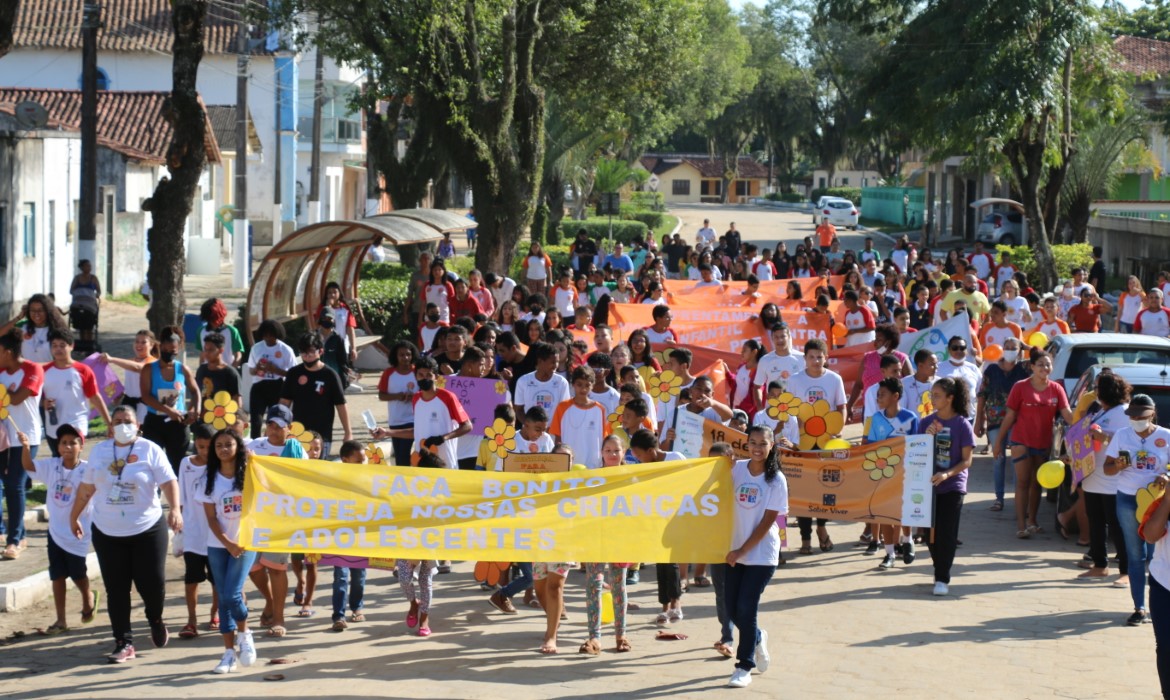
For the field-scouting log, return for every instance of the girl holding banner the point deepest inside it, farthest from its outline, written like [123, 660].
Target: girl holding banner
[954, 444]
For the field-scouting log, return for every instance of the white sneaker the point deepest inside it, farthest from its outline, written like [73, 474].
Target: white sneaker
[763, 658]
[247, 649]
[740, 679]
[941, 588]
[674, 614]
[227, 664]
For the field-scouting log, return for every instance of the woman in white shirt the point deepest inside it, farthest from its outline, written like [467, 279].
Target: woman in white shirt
[1099, 488]
[1018, 312]
[222, 499]
[759, 496]
[123, 479]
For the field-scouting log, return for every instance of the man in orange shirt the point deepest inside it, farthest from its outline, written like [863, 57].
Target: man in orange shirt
[826, 232]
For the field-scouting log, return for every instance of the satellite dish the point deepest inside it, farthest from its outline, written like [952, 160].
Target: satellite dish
[31, 115]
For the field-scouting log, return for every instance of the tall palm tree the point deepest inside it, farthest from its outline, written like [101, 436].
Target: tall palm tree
[1095, 167]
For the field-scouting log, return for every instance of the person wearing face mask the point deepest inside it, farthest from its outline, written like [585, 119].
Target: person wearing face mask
[1033, 405]
[172, 397]
[1138, 455]
[886, 343]
[315, 393]
[991, 406]
[958, 366]
[123, 479]
[968, 291]
[1106, 418]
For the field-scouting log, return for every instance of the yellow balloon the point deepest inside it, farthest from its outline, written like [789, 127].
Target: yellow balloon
[580, 468]
[1050, 474]
[1038, 340]
[607, 608]
[837, 444]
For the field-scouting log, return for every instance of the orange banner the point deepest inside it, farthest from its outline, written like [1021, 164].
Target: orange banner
[733, 298]
[719, 328]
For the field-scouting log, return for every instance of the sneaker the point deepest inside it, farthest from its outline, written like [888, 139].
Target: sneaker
[247, 649]
[763, 658]
[674, 614]
[632, 578]
[340, 625]
[887, 562]
[122, 653]
[227, 664]
[898, 549]
[500, 602]
[941, 588]
[908, 553]
[159, 634]
[872, 548]
[740, 679]
[1137, 618]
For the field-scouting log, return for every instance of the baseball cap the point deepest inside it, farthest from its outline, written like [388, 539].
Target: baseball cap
[1140, 404]
[279, 414]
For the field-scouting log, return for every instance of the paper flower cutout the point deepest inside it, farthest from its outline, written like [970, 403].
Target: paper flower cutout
[501, 388]
[615, 419]
[5, 402]
[783, 407]
[374, 454]
[1145, 500]
[301, 433]
[490, 572]
[880, 463]
[441, 382]
[501, 437]
[220, 410]
[925, 406]
[818, 424]
[665, 386]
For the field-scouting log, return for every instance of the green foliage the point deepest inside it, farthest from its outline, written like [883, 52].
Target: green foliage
[652, 219]
[382, 291]
[1150, 21]
[610, 175]
[853, 194]
[1067, 257]
[539, 223]
[554, 234]
[651, 201]
[598, 229]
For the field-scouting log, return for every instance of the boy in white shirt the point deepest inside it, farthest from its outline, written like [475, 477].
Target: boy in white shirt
[603, 393]
[69, 391]
[192, 475]
[544, 387]
[581, 422]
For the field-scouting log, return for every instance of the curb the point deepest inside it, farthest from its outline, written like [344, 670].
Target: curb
[36, 587]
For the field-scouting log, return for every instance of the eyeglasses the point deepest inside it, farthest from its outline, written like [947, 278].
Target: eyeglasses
[958, 347]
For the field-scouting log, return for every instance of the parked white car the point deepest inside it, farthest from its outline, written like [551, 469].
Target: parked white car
[1074, 354]
[839, 212]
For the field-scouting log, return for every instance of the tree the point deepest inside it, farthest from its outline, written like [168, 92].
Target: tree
[610, 175]
[170, 205]
[1150, 21]
[1096, 166]
[8, 10]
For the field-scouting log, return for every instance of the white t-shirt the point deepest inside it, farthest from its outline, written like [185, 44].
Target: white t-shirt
[279, 355]
[537, 270]
[666, 336]
[27, 414]
[982, 263]
[70, 389]
[581, 428]
[706, 238]
[427, 336]
[1003, 273]
[192, 480]
[967, 371]
[504, 292]
[609, 399]
[229, 506]
[1131, 305]
[779, 368]
[1154, 322]
[753, 496]
[743, 384]
[127, 504]
[1018, 312]
[861, 318]
[395, 382]
[914, 390]
[565, 301]
[869, 404]
[262, 447]
[1147, 458]
[35, 346]
[789, 429]
[439, 416]
[549, 394]
[62, 486]
[543, 444]
[1110, 421]
[828, 386]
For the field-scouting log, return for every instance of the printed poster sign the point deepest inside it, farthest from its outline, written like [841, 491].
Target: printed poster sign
[1080, 450]
[479, 397]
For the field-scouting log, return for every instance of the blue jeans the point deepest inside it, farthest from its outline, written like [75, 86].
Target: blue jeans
[743, 586]
[519, 584]
[1137, 550]
[13, 481]
[342, 585]
[230, 573]
[1160, 617]
[999, 464]
[719, 583]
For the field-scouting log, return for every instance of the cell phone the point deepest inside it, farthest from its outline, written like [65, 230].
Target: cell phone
[370, 422]
[1123, 455]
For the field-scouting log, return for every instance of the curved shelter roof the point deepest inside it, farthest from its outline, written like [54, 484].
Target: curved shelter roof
[290, 282]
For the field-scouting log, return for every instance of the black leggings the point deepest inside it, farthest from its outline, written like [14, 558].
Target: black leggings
[1101, 510]
[948, 507]
[139, 558]
[805, 525]
[171, 435]
[669, 583]
[263, 395]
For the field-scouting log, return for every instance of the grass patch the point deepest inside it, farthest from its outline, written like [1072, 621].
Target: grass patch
[669, 221]
[97, 428]
[133, 299]
[36, 495]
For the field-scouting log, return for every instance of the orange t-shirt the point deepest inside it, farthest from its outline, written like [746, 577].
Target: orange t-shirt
[826, 232]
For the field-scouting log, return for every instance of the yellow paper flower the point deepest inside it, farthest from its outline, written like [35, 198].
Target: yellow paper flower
[374, 454]
[818, 424]
[615, 418]
[1145, 499]
[501, 437]
[880, 463]
[501, 388]
[301, 433]
[925, 407]
[783, 407]
[5, 402]
[665, 385]
[219, 411]
[441, 382]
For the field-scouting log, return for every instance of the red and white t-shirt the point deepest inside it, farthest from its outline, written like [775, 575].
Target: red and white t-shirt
[26, 415]
[583, 429]
[1153, 322]
[764, 270]
[666, 336]
[438, 416]
[70, 388]
[861, 318]
[440, 295]
[1003, 273]
[983, 264]
[565, 301]
[395, 382]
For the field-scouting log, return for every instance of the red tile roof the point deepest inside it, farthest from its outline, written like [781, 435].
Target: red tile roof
[131, 123]
[708, 167]
[128, 25]
[1143, 56]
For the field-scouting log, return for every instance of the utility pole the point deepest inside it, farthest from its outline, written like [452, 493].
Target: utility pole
[315, 165]
[241, 263]
[87, 210]
[278, 215]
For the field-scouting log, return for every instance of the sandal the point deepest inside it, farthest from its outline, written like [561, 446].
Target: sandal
[55, 629]
[299, 598]
[88, 615]
[806, 549]
[591, 647]
[213, 623]
[826, 544]
[1061, 529]
[1035, 529]
[623, 644]
[276, 631]
[662, 618]
[265, 620]
[548, 649]
[11, 552]
[702, 582]
[533, 603]
[997, 506]
[424, 631]
[724, 650]
[1023, 534]
[670, 636]
[306, 612]
[357, 616]
[189, 631]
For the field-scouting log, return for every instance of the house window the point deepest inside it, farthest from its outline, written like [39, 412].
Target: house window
[711, 188]
[680, 187]
[844, 182]
[822, 183]
[743, 188]
[103, 80]
[29, 228]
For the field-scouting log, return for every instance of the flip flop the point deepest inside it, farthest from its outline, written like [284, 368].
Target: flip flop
[306, 612]
[276, 631]
[702, 582]
[87, 618]
[299, 598]
[670, 636]
[724, 650]
[548, 650]
[189, 631]
[54, 629]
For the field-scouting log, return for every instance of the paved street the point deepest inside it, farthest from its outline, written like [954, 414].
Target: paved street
[1017, 625]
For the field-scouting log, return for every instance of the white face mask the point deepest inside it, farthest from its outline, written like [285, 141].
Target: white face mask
[1010, 355]
[1140, 426]
[125, 432]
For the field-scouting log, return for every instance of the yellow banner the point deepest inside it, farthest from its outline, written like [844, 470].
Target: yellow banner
[667, 512]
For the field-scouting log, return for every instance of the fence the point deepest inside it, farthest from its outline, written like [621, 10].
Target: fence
[902, 206]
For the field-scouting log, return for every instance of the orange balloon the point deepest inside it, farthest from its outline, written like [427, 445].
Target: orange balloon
[840, 331]
[992, 353]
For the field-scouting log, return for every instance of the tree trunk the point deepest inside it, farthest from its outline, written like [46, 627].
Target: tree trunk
[7, 24]
[555, 196]
[1025, 154]
[170, 205]
[1079, 214]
